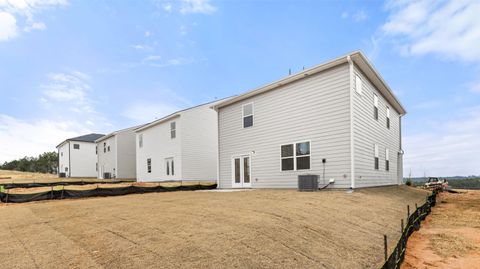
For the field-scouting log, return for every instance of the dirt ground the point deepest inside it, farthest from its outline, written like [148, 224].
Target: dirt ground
[8, 176]
[207, 229]
[450, 236]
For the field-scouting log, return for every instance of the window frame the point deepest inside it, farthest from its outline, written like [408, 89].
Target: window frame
[376, 102]
[376, 157]
[387, 159]
[76, 146]
[388, 117]
[173, 130]
[149, 165]
[295, 156]
[244, 116]
[357, 89]
[169, 166]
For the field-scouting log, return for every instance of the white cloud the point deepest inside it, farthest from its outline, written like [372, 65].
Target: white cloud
[474, 86]
[156, 61]
[142, 47]
[147, 34]
[23, 138]
[15, 12]
[359, 16]
[197, 6]
[428, 104]
[452, 148]
[167, 7]
[8, 26]
[344, 15]
[450, 29]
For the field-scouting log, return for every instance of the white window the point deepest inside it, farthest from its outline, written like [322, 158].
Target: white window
[375, 106]
[295, 156]
[376, 156]
[248, 115]
[388, 117]
[96, 150]
[149, 165]
[104, 147]
[173, 130]
[140, 140]
[76, 146]
[358, 84]
[170, 166]
[387, 160]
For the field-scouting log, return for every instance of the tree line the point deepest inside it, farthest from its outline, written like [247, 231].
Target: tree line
[45, 163]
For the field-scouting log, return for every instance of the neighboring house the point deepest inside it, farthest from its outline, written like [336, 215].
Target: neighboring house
[181, 146]
[116, 155]
[76, 156]
[338, 120]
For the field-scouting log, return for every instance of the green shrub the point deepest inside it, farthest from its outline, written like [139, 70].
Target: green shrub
[408, 183]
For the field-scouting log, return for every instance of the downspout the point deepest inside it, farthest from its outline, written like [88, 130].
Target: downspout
[218, 149]
[69, 161]
[352, 146]
[400, 155]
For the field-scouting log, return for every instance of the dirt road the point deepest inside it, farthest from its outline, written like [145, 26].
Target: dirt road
[247, 229]
[450, 236]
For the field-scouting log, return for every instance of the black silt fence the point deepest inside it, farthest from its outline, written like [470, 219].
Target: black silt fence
[413, 224]
[97, 192]
[60, 183]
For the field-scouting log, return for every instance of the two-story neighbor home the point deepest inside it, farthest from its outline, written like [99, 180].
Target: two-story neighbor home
[116, 155]
[338, 120]
[181, 146]
[76, 156]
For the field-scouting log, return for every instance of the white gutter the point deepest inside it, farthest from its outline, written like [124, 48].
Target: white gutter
[352, 146]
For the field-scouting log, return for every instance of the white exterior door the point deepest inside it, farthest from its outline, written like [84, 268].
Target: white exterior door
[241, 172]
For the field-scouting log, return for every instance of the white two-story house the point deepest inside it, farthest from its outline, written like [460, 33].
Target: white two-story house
[338, 120]
[181, 146]
[116, 153]
[76, 156]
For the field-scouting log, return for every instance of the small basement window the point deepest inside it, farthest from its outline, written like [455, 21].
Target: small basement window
[76, 146]
[173, 130]
[149, 165]
[358, 84]
[247, 115]
[375, 107]
[376, 156]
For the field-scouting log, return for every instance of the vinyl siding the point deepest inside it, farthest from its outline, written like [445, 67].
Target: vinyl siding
[126, 155]
[158, 145]
[107, 160]
[368, 131]
[314, 109]
[199, 144]
[83, 160]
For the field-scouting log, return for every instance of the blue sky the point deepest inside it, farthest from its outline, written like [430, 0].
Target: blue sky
[71, 67]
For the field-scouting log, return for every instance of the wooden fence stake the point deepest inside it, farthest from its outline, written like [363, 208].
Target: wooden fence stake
[408, 212]
[402, 227]
[385, 246]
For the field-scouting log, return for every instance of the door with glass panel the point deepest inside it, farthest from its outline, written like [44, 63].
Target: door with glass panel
[241, 176]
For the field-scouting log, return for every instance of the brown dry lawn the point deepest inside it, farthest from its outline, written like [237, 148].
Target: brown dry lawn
[247, 229]
[8, 176]
[450, 236]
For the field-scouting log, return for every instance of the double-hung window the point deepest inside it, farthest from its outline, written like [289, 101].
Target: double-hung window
[375, 149]
[358, 84]
[387, 160]
[375, 107]
[104, 147]
[248, 115]
[149, 165]
[173, 130]
[295, 156]
[388, 117]
[76, 146]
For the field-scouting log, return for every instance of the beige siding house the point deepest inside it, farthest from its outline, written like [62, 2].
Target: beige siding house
[116, 155]
[76, 156]
[181, 146]
[330, 120]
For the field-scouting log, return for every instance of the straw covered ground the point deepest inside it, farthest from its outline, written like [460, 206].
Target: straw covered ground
[207, 229]
[8, 176]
